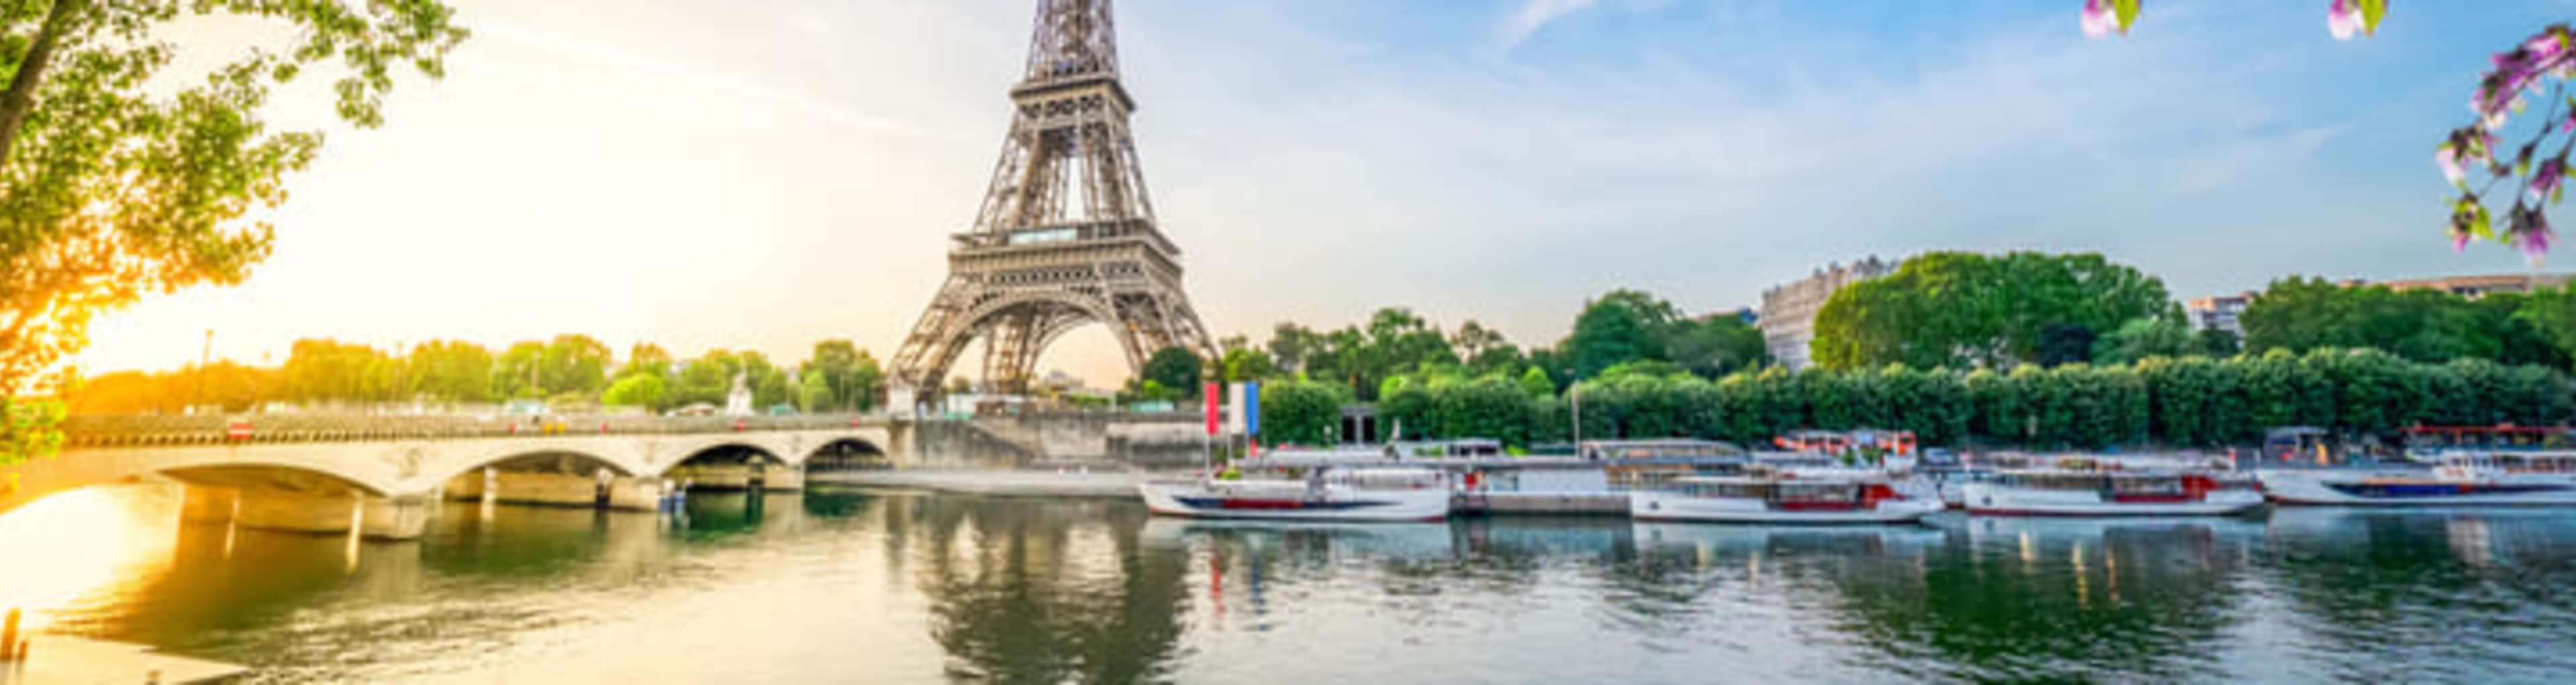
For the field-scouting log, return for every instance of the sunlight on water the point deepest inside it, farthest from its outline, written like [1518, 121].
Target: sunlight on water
[84, 547]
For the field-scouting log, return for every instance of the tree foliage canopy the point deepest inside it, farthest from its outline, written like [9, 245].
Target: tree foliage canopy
[1961, 310]
[118, 179]
[2301, 314]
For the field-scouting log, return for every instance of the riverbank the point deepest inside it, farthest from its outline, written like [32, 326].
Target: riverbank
[69, 659]
[1112, 484]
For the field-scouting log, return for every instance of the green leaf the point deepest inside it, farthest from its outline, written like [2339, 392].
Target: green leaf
[2126, 11]
[2371, 12]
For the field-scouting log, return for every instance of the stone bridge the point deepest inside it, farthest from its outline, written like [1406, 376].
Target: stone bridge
[378, 475]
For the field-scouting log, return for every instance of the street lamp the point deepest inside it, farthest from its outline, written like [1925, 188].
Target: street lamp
[1574, 390]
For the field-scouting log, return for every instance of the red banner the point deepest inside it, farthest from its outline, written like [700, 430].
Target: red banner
[1212, 413]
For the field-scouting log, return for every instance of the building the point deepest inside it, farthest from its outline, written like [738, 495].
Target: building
[1788, 316]
[2473, 287]
[2219, 312]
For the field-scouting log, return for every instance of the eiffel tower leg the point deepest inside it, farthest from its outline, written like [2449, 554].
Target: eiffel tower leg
[1010, 349]
[923, 361]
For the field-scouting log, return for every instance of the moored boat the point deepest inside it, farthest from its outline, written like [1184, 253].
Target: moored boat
[1336, 495]
[1849, 498]
[2080, 488]
[2457, 478]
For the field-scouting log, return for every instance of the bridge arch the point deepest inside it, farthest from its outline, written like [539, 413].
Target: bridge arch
[252, 474]
[297, 467]
[729, 452]
[1028, 321]
[548, 460]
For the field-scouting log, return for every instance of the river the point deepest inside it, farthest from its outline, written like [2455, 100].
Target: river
[861, 586]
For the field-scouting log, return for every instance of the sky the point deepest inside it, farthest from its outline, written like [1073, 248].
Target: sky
[762, 174]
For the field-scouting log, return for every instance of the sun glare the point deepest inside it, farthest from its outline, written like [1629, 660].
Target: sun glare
[61, 552]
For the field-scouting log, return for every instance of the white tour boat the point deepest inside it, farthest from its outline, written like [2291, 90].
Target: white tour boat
[2082, 489]
[2457, 478]
[1377, 494]
[1806, 497]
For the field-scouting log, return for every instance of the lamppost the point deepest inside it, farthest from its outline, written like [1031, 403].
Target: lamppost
[205, 355]
[1574, 390]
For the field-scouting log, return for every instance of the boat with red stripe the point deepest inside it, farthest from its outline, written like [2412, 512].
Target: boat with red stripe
[1387, 494]
[1850, 496]
[2457, 478]
[2088, 487]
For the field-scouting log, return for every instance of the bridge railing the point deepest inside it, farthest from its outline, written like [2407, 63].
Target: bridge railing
[149, 431]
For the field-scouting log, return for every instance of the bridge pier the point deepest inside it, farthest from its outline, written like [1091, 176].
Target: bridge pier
[207, 504]
[727, 477]
[469, 486]
[569, 490]
[402, 517]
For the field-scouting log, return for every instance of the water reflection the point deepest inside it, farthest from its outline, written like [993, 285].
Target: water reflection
[1051, 591]
[835, 586]
[2401, 596]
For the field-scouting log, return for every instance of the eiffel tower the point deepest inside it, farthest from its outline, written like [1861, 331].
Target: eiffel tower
[1066, 236]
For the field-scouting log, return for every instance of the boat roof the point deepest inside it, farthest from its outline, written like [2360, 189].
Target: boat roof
[1829, 479]
[1380, 460]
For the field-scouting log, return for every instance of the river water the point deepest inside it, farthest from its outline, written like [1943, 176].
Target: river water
[861, 586]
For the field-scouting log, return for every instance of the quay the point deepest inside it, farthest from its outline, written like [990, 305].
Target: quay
[68, 660]
[1014, 483]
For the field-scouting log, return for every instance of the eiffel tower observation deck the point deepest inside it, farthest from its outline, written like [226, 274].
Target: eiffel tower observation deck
[1066, 235]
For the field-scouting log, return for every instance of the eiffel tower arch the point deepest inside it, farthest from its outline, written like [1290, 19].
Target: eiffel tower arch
[1066, 235]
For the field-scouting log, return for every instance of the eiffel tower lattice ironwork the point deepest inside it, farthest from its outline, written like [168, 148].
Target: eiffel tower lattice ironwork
[1066, 236]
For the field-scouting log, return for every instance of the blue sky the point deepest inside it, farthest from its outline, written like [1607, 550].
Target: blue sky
[763, 173]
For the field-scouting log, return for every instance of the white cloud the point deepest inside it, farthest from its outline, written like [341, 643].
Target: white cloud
[1535, 14]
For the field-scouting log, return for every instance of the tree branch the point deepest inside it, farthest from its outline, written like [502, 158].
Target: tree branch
[16, 102]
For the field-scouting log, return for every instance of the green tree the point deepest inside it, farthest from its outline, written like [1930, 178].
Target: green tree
[1535, 383]
[646, 359]
[864, 381]
[774, 389]
[1715, 345]
[2065, 343]
[2218, 342]
[836, 358]
[1301, 412]
[814, 391]
[323, 370]
[452, 371]
[2142, 338]
[119, 178]
[1473, 339]
[2302, 314]
[1620, 326]
[707, 379]
[1247, 364]
[2551, 314]
[1490, 407]
[638, 390]
[1956, 309]
[1173, 368]
[515, 371]
[1293, 347]
[573, 363]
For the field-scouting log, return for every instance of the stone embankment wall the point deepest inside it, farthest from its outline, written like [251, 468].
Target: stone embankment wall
[1163, 440]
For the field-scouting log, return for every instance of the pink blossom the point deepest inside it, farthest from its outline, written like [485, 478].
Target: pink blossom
[2544, 180]
[2534, 236]
[2448, 157]
[2343, 19]
[2098, 21]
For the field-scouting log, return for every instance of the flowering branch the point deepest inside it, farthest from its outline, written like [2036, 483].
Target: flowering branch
[2343, 17]
[2532, 177]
